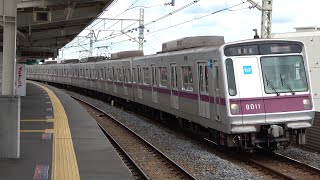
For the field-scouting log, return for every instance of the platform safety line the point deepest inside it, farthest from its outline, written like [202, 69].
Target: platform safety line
[37, 120]
[37, 131]
[64, 161]
[32, 131]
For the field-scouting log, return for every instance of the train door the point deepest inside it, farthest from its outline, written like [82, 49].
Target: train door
[216, 91]
[174, 86]
[249, 86]
[139, 82]
[125, 81]
[204, 98]
[154, 83]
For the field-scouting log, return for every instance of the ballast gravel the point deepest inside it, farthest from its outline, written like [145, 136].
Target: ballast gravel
[306, 157]
[195, 159]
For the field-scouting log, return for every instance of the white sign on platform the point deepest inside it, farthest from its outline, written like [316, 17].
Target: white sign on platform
[21, 80]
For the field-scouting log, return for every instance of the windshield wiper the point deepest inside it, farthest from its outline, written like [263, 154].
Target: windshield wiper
[283, 82]
[269, 83]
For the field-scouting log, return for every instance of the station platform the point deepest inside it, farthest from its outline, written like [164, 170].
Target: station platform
[60, 141]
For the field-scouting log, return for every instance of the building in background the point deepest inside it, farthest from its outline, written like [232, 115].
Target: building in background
[310, 36]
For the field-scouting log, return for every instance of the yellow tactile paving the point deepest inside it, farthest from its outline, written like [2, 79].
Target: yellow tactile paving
[64, 162]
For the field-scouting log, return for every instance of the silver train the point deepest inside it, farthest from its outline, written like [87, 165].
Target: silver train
[247, 94]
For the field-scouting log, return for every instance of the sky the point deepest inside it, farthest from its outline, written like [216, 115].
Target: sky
[236, 23]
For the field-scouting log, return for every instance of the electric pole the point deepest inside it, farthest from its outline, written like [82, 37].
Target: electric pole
[141, 29]
[266, 18]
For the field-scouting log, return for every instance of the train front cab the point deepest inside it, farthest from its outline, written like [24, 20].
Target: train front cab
[269, 93]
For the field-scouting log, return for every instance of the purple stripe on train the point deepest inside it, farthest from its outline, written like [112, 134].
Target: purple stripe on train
[271, 104]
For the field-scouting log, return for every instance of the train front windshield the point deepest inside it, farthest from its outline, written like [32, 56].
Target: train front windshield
[282, 74]
[282, 67]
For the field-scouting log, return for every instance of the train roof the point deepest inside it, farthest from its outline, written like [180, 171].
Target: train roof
[192, 42]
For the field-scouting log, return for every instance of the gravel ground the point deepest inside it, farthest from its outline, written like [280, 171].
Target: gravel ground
[310, 158]
[197, 160]
[204, 164]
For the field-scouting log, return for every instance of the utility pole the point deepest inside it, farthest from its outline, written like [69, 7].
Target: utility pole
[92, 39]
[141, 29]
[266, 18]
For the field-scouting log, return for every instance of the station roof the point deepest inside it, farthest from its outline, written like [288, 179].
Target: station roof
[48, 25]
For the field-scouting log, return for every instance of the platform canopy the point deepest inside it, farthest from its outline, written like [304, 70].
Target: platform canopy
[44, 26]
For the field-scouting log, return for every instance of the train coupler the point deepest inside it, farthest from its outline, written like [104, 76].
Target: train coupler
[275, 131]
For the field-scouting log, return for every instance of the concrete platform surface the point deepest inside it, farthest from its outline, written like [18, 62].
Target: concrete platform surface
[60, 140]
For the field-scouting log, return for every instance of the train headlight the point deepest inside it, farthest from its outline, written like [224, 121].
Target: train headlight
[307, 104]
[234, 108]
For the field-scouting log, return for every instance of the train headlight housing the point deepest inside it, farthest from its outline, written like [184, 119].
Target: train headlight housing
[307, 104]
[234, 108]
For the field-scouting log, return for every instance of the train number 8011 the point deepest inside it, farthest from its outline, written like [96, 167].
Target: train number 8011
[253, 106]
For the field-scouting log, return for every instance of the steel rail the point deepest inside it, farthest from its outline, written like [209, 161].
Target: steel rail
[178, 167]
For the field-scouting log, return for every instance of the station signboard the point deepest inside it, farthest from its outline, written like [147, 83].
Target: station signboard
[21, 78]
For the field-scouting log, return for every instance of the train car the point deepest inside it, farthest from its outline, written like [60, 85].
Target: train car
[248, 94]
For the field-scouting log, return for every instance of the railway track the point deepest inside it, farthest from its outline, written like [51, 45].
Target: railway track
[148, 161]
[272, 165]
[282, 167]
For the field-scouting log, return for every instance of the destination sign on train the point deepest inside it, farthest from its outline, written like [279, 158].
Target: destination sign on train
[262, 49]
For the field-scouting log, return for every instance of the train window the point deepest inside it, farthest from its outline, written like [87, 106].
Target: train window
[146, 79]
[129, 75]
[109, 74]
[105, 73]
[230, 77]
[101, 74]
[283, 74]
[187, 78]
[174, 76]
[139, 75]
[154, 75]
[119, 75]
[134, 75]
[124, 71]
[114, 74]
[163, 77]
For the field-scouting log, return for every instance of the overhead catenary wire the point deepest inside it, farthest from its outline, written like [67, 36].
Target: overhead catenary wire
[158, 19]
[185, 22]
[197, 18]
[171, 13]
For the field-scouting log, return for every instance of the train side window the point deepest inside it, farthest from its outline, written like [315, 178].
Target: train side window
[119, 75]
[163, 80]
[109, 74]
[114, 77]
[124, 71]
[230, 77]
[134, 75]
[187, 78]
[146, 76]
[101, 74]
[139, 75]
[129, 75]
[154, 75]
[105, 73]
